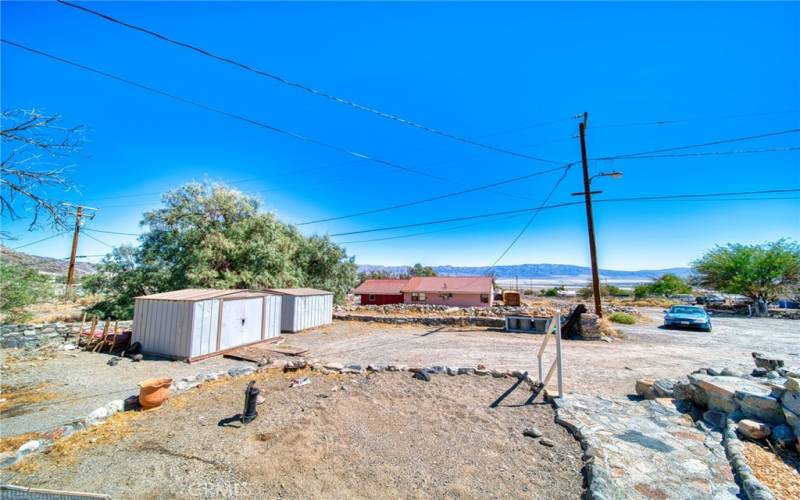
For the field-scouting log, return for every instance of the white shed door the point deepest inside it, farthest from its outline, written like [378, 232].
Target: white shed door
[241, 322]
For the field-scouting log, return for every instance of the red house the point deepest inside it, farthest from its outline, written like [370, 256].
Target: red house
[379, 292]
[460, 291]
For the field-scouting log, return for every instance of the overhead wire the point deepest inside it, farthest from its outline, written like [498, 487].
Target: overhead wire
[700, 118]
[108, 232]
[707, 153]
[559, 205]
[307, 88]
[229, 114]
[98, 240]
[436, 198]
[700, 145]
[39, 241]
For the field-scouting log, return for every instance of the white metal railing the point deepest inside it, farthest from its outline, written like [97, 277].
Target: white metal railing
[553, 328]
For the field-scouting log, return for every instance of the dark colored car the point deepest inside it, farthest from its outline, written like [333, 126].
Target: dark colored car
[687, 317]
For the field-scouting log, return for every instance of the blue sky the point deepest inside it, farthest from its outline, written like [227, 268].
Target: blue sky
[487, 71]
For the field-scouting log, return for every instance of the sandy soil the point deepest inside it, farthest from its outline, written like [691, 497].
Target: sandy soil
[383, 435]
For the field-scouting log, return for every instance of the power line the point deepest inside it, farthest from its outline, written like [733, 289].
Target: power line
[39, 241]
[691, 146]
[309, 89]
[412, 235]
[701, 118]
[559, 205]
[99, 240]
[709, 153]
[235, 116]
[109, 232]
[435, 198]
[530, 220]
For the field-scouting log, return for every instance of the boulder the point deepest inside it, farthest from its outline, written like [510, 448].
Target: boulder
[664, 388]
[715, 419]
[792, 384]
[682, 390]
[238, 371]
[422, 375]
[791, 401]
[792, 420]
[716, 393]
[375, 368]
[728, 372]
[764, 361]
[783, 435]
[790, 371]
[645, 387]
[29, 447]
[532, 432]
[334, 366]
[772, 374]
[466, 371]
[761, 405]
[7, 458]
[754, 430]
[759, 372]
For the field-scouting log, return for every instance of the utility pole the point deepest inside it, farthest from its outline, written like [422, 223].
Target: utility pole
[587, 193]
[71, 271]
[79, 215]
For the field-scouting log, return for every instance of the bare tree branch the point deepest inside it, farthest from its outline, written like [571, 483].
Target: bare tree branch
[31, 171]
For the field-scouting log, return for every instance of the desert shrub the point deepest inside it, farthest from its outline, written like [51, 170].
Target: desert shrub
[20, 287]
[622, 318]
[550, 292]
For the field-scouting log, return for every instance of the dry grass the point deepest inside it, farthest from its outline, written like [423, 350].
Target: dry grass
[13, 399]
[12, 443]
[608, 330]
[779, 472]
[114, 428]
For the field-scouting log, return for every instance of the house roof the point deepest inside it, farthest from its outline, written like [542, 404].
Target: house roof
[195, 294]
[452, 284]
[299, 292]
[382, 287]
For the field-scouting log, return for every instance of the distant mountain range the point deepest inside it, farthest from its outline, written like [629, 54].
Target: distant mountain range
[538, 271]
[46, 265]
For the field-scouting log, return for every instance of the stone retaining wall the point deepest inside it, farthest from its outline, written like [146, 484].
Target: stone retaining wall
[36, 335]
[425, 320]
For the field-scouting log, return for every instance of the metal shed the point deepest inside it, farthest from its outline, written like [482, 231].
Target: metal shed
[194, 324]
[304, 308]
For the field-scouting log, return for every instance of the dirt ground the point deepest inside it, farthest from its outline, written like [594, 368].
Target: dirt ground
[342, 436]
[78, 383]
[72, 384]
[590, 367]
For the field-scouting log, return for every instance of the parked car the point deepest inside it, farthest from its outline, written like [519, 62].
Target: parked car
[711, 299]
[684, 298]
[687, 317]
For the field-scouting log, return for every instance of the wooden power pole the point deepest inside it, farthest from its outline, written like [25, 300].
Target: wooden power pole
[587, 193]
[73, 254]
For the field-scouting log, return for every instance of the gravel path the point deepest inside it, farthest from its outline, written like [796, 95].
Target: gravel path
[378, 436]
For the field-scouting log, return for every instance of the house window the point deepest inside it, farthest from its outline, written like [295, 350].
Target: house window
[484, 298]
[372, 297]
[446, 296]
[419, 297]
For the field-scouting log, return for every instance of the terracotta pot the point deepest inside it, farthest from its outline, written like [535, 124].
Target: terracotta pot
[153, 392]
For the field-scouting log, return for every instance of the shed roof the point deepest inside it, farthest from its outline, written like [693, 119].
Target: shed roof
[382, 287]
[452, 284]
[299, 292]
[195, 294]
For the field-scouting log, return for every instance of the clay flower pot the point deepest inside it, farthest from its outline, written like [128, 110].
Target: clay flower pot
[153, 392]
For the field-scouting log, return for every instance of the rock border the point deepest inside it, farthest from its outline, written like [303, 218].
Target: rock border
[734, 449]
[101, 414]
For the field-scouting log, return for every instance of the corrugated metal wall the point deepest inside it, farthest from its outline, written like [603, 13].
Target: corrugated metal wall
[273, 316]
[163, 327]
[185, 329]
[307, 311]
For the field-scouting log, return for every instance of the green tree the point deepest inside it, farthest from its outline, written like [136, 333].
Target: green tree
[20, 287]
[420, 270]
[665, 286]
[212, 236]
[761, 272]
[378, 274]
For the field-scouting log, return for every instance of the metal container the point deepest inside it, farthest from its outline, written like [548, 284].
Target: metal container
[304, 308]
[195, 324]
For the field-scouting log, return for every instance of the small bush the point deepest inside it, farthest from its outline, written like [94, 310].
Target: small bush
[623, 318]
[550, 292]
